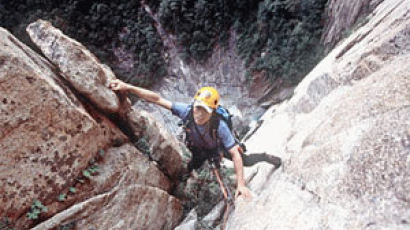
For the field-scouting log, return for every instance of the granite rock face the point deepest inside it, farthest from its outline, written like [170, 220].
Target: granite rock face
[344, 137]
[65, 142]
[132, 194]
[90, 78]
[163, 147]
[77, 64]
[47, 136]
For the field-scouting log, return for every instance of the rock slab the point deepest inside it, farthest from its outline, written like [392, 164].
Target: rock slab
[78, 65]
[46, 135]
[344, 138]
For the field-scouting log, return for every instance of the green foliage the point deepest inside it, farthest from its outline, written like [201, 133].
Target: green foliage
[287, 32]
[105, 27]
[36, 209]
[203, 192]
[62, 197]
[283, 40]
[87, 174]
[68, 226]
[143, 145]
[276, 38]
[198, 25]
[91, 170]
[72, 190]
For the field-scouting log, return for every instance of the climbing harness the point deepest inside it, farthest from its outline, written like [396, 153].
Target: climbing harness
[214, 158]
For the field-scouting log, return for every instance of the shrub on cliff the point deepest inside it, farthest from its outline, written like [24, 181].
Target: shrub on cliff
[278, 38]
[119, 32]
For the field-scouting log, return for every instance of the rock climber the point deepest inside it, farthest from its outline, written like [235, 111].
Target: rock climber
[201, 141]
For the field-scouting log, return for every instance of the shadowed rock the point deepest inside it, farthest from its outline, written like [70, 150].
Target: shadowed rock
[163, 147]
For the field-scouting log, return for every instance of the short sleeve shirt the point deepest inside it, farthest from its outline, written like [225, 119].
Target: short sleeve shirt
[203, 139]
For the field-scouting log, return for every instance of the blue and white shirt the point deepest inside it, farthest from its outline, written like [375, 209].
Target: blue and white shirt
[223, 133]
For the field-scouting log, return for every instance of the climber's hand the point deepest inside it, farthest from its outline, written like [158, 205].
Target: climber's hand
[240, 149]
[243, 191]
[118, 85]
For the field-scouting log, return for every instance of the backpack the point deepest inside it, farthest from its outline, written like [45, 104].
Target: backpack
[221, 113]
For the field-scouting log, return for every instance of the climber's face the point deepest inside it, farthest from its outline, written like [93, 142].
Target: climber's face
[201, 116]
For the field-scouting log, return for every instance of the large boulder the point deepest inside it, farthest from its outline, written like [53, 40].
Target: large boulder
[129, 192]
[47, 137]
[61, 150]
[129, 165]
[78, 65]
[145, 208]
[344, 138]
[89, 77]
[161, 146]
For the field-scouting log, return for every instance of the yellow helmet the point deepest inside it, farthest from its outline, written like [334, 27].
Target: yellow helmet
[209, 96]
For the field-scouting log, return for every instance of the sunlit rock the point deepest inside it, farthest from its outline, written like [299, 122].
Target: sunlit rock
[131, 194]
[344, 138]
[46, 135]
[78, 66]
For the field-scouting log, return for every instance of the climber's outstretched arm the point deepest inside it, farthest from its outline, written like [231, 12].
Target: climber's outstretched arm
[241, 188]
[145, 94]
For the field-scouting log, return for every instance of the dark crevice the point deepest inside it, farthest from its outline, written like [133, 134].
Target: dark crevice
[258, 125]
[94, 111]
[84, 6]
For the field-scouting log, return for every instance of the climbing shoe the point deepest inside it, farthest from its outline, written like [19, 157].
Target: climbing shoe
[274, 160]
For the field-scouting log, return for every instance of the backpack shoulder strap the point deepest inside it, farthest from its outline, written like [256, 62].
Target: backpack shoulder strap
[185, 121]
[214, 126]
[214, 123]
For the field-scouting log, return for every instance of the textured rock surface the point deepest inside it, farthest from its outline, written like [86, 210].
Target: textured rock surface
[163, 147]
[128, 193]
[132, 166]
[189, 222]
[79, 67]
[50, 138]
[344, 138]
[342, 15]
[89, 76]
[46, 136]
[146, 208]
